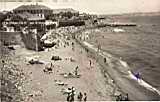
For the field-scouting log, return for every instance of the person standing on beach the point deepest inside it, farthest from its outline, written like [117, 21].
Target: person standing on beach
[76, 71]
[138, 76]
[72, 94]
[85, 97]
[90, 63]
[80, 96]
[87, 50]
[126, 97]
[99, 47]
[72, 97]
[72, 44]
[105, 60]
[68, 97]
[114, 88]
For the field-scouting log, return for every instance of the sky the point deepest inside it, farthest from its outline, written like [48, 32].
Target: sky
[93, 6]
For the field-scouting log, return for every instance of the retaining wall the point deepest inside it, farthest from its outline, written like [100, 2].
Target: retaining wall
[10, 38]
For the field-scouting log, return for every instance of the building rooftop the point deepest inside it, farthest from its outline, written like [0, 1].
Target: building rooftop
[56, 11]
[32, 7]
[29, 16]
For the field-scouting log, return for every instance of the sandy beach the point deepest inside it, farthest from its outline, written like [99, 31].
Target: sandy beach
[43, 87]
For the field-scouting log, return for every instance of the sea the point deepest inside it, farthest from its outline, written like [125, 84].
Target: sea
[138, 45]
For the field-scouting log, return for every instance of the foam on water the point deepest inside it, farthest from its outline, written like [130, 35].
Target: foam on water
[143, 83]
[90, 46]
[124, 64]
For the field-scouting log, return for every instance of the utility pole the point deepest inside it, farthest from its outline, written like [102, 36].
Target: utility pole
[36, 38]
[2, 80]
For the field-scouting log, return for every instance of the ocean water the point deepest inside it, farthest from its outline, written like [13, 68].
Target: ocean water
[139, 46]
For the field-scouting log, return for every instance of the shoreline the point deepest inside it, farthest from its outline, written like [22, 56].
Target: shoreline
[153, 93]
[131, 75]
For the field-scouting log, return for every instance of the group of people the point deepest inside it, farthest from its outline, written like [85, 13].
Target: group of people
[122, 97]
[80, 96]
